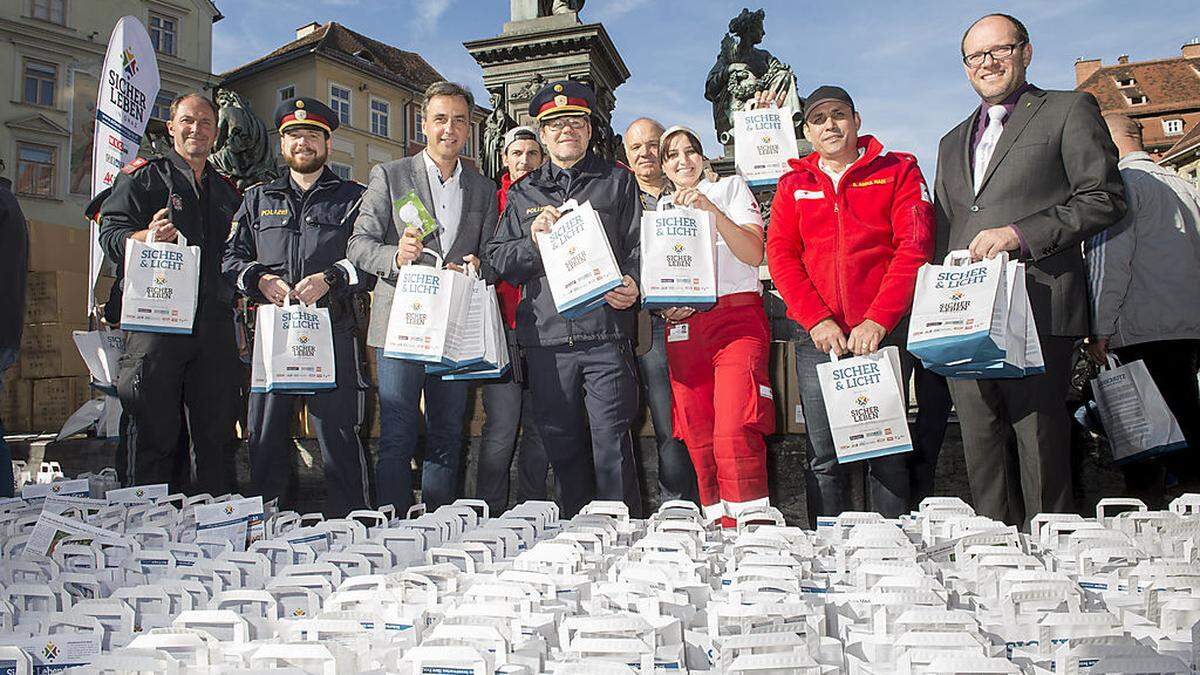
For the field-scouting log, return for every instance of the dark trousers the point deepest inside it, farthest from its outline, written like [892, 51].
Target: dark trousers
[163, 374]
[826, 480]
[8, 356]
[676, 475]
[928, 430]
[1014, 487]
[508, 413]
[587, 386]
[336, 414]
[1173, 366]
[401, 384]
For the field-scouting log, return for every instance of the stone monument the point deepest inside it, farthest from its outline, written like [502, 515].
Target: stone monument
[243, 149]
[741, 71]
[543, 41]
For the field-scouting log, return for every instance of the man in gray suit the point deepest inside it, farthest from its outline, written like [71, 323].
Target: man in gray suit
[1033, 173]
[464, 204]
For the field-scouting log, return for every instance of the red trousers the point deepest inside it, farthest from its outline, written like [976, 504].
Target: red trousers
[723, 403]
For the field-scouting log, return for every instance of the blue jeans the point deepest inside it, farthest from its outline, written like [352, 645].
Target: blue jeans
[676, 476]
[8, 356]
[827, 481]
[400, 386]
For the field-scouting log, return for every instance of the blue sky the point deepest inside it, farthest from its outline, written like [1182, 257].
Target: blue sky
[899, 60]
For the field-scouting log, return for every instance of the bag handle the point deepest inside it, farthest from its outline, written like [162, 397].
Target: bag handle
[441, 262]
[957, 258]
[1111, 362]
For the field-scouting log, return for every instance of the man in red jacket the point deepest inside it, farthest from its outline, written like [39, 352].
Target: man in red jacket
[850, 226]
[506, 402]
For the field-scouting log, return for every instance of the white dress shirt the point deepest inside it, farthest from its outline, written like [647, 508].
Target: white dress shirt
[447, 200]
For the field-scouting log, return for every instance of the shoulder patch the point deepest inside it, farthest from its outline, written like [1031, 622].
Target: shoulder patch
[137, 163]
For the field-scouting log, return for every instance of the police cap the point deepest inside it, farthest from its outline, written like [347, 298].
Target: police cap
[565, 97]
[305, 113]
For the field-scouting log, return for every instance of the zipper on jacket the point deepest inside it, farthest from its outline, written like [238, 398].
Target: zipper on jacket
[837, 258]
[570, 332]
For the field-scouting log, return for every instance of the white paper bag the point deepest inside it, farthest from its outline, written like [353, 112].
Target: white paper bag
[101, 351]
[865, 405]
[578, 259]
[293, 349]
[679, 259]
[1022, 348]
[764, 140]
[162, 280]
[496, 358]
[959, 310]
[1135, 416]
[466, 336]
[426, 300]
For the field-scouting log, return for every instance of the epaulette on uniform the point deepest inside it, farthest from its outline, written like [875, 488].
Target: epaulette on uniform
[137, 163]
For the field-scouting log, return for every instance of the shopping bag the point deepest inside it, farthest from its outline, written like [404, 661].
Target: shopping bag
[1023, 349]
[679, 259]
[865, 405]
[960, 310]
[466, 340]
[764, 139]
[101, 351]
[293, 349]
[578, 259]
[1134, 414]
[162, 280]
[426, 301]
[496, 358]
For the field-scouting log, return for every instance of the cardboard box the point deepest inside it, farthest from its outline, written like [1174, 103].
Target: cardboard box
[58, 248]
[16, 405]
[56, 297]
[793, 407]
[48, 350]
[55, 399]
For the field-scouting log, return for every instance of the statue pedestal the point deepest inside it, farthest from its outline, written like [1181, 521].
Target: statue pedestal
[532, 52]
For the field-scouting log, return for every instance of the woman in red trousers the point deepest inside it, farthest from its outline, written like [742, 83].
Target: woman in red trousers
[718, 358]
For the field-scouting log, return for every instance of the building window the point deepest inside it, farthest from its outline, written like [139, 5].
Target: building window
[162, 105]
[287, 92]
[468, 149]
[1172, 127]
[1138, 99]
[1126, 81]
[339, 100]
[343, 171]
[35, 169]
[40, 78]
[163, 30]
[381, 112]
[54, 11]
[419, 126]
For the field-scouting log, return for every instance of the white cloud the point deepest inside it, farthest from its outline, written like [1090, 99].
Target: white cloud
[428, 13]
[614, 9]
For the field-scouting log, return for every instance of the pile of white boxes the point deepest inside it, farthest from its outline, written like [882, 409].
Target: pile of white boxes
[457, 591]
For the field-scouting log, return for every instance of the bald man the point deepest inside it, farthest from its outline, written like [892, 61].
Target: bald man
[1143, 274]
[676, 476]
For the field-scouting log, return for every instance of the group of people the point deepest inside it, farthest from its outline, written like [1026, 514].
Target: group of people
[1029, 172]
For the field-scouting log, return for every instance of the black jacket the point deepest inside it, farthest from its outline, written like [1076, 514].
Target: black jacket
[613, 193]
[279, 231]
[14, 260]
[145, 186]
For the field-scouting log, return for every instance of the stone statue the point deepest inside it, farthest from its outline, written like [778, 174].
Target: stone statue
[565, 6]
[742, 70]
[527, 91]
[243, 150]
[524, 10]
[497, 124]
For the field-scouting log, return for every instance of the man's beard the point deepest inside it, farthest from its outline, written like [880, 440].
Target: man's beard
[310, 165]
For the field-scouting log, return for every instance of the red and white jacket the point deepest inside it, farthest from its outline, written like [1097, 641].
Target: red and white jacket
[850, 253]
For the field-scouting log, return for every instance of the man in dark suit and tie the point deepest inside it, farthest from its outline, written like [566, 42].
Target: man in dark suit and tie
[1033, 173]
[463, 202]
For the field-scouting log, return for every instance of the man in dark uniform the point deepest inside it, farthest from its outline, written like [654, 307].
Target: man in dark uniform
[197, 372]
[289, 240]
[581, 370]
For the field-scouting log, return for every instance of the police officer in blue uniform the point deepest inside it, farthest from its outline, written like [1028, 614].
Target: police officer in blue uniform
[581, 370]
[289, 243]
[165, 375]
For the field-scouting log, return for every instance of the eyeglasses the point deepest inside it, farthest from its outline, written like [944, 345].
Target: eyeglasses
[576, 122]
[976, 59]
